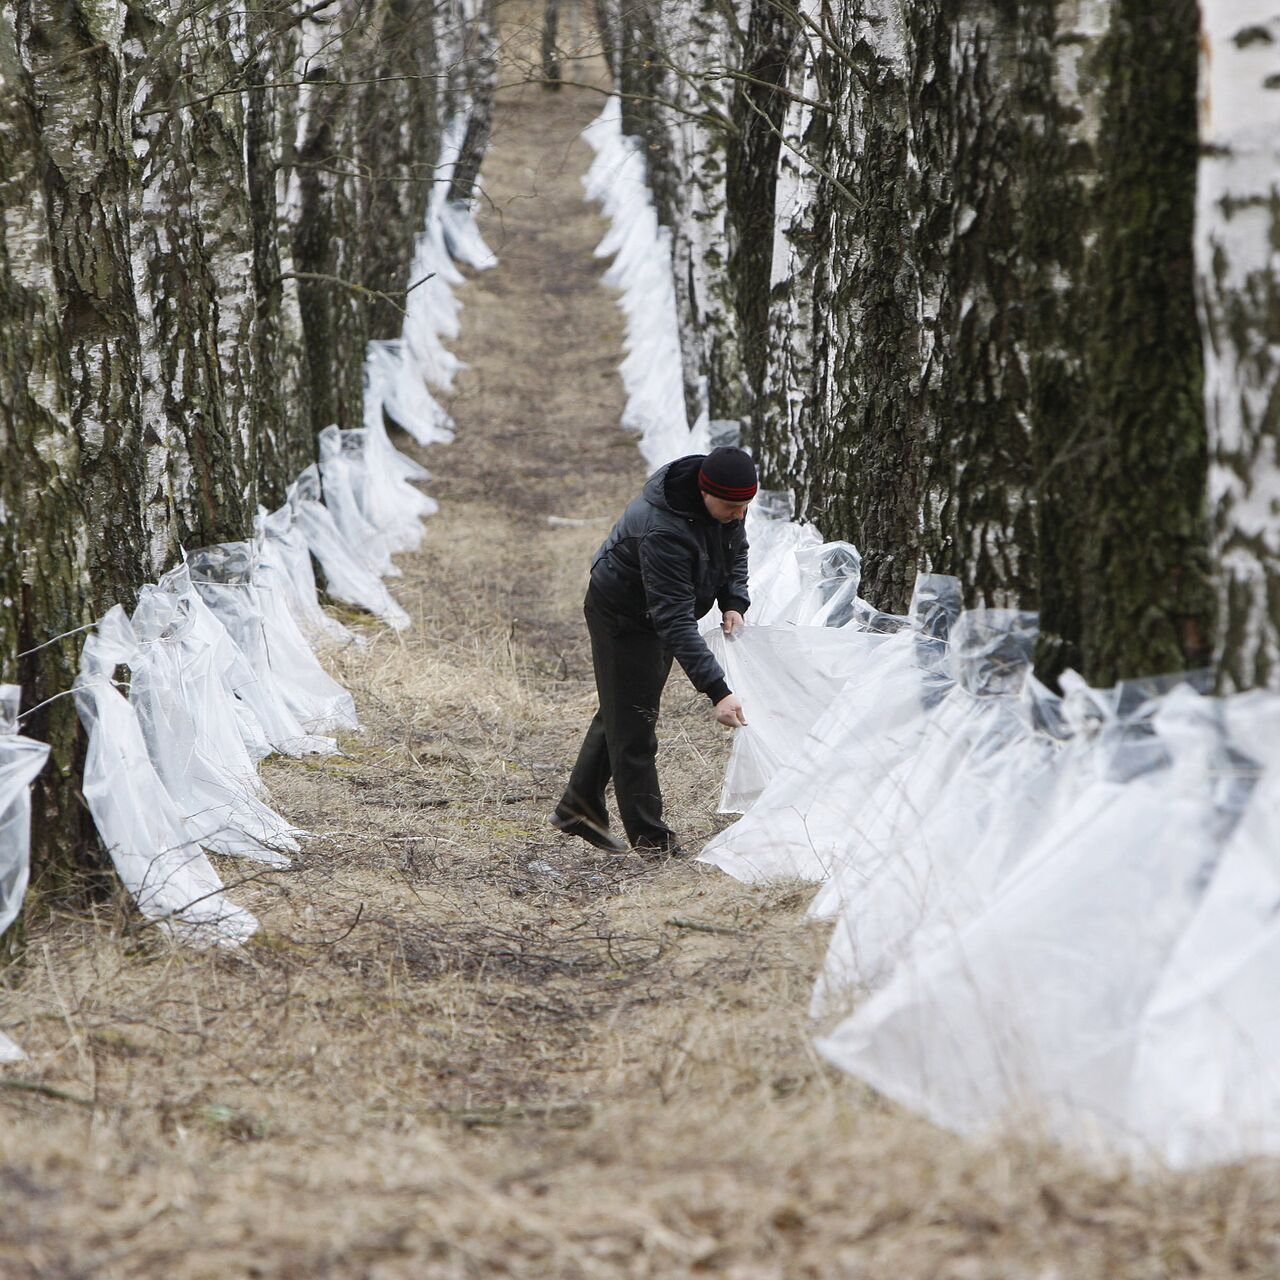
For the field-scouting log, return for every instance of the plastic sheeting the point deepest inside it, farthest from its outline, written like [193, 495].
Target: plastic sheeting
[641, 272]
[386, 499]
[432, 310]
[167, 873]
[909, 861]
[1062, 910]
[226, 693]
[1035, 1002]
[800, 825]
[283, 551]
[347, 577]
[293, 697]
[804, 822]
[462, 236]
[20, 760]
[342, 470]
[1205, 1081]
[394, 384]
[787, 677]
[189, 724]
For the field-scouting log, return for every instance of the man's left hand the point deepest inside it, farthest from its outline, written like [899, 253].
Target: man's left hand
[732, 622]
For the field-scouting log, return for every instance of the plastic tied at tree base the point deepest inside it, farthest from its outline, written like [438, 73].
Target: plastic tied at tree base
[21, 759]
[917, 832]
[776, 541]
[1205, 1083]
[292, 696]
[786, 678]
[188, 724]
[989, 814]
[1032, 1007]
[972, 707]
[341, 470]
[827, 596]
[282, 549]
[387, 501]
[347, 578]
[319, 702]
[167, 873]
[642, 273]
[394, 383]
[234, 680]
[431, 309]
[799, 826]
[462, 236]
[400, 373]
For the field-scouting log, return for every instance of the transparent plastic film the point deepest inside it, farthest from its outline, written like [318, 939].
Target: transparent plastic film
[292, 703]
[166, 872]
[21, 759]
[192, 736]
[347, 577]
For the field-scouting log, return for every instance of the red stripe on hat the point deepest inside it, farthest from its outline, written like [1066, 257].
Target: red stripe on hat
[727, 492]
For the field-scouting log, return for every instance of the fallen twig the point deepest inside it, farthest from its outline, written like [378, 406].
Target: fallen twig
[700, 926]
[567, 1114]
[46, 1091]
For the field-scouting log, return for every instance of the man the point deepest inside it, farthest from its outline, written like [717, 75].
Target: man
[678, 549]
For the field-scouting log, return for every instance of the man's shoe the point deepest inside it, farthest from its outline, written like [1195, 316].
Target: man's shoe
[573, 823]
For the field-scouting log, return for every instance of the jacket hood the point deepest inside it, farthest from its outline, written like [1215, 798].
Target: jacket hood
[674, 487]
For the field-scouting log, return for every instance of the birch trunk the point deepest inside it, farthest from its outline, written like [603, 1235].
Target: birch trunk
[880, 305]
[700, 40]
[759, 111]
[1147, 598]
[784, 407]
[1238, 266]
[397, 116]
[1062, 49]
[82, 529]
[164, 189]
[480, 60]
[327, 233]
[282, 394]
[192, 261]
[45, 557]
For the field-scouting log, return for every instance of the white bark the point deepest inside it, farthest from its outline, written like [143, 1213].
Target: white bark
[788, 379]
[702, 41]
[1238, 265]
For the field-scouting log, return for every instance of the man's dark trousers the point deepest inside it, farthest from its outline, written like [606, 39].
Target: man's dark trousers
[631, 669]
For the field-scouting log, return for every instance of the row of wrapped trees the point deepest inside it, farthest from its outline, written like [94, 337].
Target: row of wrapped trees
[943, 261]
[206, 211]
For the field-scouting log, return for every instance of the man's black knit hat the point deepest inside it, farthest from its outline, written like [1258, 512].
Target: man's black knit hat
[728, 473]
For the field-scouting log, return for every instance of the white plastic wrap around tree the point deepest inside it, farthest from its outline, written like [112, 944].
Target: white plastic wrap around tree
[190, 725]
[347, 577]
[20, 760]
[164, 869]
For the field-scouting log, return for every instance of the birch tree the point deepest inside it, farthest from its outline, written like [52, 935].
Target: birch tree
[1002, 201]
[1238, 267]
[176, 181]
[785, 399]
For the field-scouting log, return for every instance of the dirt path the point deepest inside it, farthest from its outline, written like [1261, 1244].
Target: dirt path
[464, 1046]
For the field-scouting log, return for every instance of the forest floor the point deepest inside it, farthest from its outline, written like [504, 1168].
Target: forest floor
[465, 1046]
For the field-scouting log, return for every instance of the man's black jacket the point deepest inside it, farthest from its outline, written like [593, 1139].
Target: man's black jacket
[667, 561]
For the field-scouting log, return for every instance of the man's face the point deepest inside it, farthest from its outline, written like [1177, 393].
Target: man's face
[725, 512]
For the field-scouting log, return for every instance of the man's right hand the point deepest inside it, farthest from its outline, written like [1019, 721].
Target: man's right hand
[728, 711]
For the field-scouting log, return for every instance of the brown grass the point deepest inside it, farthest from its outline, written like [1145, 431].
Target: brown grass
[464, 1046]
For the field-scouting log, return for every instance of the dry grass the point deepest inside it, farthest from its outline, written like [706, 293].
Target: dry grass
[463, 1046]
